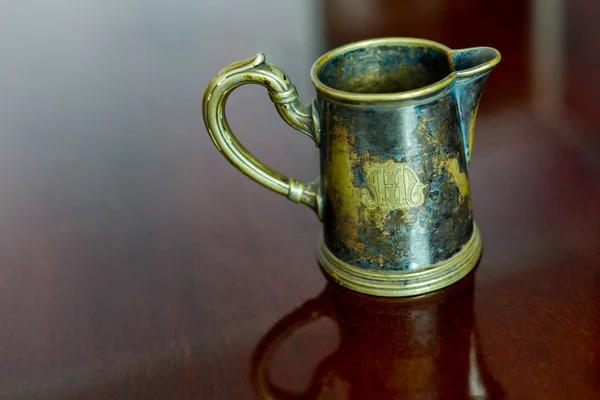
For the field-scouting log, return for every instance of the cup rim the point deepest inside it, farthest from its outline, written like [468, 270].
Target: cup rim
[385, 97]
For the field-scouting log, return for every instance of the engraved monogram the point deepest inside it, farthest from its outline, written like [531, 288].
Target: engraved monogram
[392, 186]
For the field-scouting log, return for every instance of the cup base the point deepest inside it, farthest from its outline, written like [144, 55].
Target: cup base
[423, 280]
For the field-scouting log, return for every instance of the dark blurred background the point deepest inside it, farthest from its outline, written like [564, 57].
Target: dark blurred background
[65, 58]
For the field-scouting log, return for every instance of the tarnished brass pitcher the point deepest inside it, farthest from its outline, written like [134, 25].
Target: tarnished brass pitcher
[394, 121]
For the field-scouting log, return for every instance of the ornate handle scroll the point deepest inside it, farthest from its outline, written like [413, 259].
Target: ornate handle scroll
[283, 94]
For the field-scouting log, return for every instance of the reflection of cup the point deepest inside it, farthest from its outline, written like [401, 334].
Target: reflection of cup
[423, 347]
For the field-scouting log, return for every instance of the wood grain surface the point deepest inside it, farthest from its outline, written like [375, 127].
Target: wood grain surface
[136, 263]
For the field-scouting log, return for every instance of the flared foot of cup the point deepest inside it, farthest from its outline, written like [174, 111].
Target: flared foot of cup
[424, 279]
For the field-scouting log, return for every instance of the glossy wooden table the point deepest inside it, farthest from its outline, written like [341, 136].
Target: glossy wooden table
[135, 263]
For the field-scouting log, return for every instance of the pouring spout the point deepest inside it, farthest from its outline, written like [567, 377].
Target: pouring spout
[472, 67]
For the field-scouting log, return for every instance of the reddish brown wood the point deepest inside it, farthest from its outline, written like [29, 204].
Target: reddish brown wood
[135, 263]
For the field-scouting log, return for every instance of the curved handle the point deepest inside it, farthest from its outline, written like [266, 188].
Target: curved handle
[308, 313]
[283, 94]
